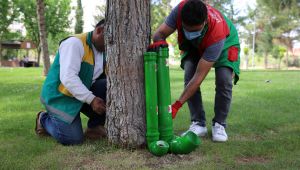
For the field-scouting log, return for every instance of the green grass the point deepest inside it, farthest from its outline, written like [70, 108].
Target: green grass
[263, 128]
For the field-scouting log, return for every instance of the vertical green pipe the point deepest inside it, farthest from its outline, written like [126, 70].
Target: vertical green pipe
[152, 134]
[165, 124]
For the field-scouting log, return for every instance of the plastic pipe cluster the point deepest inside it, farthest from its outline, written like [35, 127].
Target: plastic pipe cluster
[159, 135]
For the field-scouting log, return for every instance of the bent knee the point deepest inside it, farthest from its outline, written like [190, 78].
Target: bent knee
[71, 140]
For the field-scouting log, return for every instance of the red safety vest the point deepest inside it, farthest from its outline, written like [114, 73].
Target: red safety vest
[217, 28]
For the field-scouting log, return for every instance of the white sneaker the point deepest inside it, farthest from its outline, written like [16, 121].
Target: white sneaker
[198, 130]
[219, 133]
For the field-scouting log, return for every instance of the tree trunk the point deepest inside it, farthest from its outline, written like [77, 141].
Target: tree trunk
[266, 61]
[247, 62]
[279, 63]
[39, 56]
[42, 30]
[127, 35]
[287, 59]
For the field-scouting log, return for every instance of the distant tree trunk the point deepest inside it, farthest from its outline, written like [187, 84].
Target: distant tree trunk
[247, 61]
[39, 55]
[279, 63]
[287, 59]
[127, 36]
[266, 60]
[79, 20]
[43, 39]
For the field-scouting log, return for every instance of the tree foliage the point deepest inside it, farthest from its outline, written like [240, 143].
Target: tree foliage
[278, 24]
[160, 9]
[56, 16]
[79, 21]
[8, 14]
[228, 9]
[101, 13]
[283, 16]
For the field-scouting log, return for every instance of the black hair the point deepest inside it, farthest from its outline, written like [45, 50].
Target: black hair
[100, 23]
[194, 12]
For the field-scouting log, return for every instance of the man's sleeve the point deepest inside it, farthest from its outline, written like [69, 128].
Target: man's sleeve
[71, 53]
[213, 52]
[172, 18]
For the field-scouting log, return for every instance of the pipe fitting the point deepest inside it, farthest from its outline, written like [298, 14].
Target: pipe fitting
[185, 144]
[159, 148]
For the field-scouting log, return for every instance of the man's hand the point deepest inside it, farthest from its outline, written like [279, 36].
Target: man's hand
[155, 46]
[175, 107]
[98, 105]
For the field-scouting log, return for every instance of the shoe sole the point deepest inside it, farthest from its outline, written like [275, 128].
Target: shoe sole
[202, 135]
[218, 140]
[39, 131]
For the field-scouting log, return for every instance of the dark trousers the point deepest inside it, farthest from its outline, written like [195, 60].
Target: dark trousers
[69, 134]
[223, 94]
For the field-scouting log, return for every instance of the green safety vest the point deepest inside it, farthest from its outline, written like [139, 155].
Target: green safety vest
[219, 27]
[56, 98]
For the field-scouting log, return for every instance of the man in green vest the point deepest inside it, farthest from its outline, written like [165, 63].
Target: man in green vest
[207, 39]
[75, 83]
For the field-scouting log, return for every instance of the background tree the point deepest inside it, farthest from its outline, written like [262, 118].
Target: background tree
[8, 14]
[79, 21]
[127, 37]
[57, 22]
[100, 9]
[246, 52]
[160, 9]
[43, 34]
[265, 42]
[278, 53]
[278, 22]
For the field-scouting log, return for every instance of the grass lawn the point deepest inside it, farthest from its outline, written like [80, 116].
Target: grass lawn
[263, 128]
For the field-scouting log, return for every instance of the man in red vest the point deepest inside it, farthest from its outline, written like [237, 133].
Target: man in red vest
[207, 39]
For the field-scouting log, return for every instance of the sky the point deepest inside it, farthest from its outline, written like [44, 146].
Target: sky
[89, 9]
[240, 4]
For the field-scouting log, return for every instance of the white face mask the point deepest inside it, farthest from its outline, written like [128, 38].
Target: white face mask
[192, 35]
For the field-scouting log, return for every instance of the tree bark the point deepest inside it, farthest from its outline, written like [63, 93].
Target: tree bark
[247, 61]
[39, 55]
[127, 35]
[43, 34]
[266, 60]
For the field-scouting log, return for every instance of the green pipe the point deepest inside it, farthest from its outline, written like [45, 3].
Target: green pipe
[185, 144]
[159, 148]
[159, 119]
[165, 124]
[152, 134]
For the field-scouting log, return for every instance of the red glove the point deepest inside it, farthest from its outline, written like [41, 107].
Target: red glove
[175, 107]
[154, 46]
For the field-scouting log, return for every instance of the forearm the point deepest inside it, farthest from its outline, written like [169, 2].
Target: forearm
[158, 36]
[162, 32]
[201, 72]
[75, 86]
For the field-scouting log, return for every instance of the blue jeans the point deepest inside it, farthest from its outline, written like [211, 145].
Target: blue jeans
[71, 134]
[223, 94]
